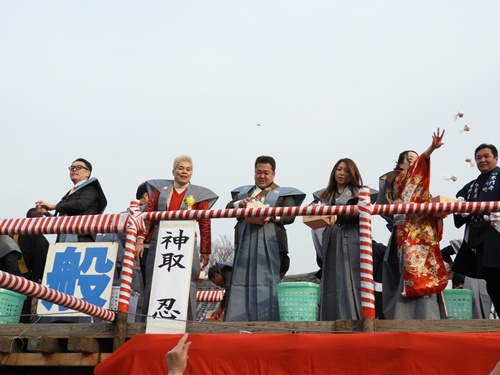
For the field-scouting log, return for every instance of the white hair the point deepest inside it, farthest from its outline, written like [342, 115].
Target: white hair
[180, 158]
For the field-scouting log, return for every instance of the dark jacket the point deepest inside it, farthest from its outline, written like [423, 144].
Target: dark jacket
[482, 236]
[87, 199]
[34, 248]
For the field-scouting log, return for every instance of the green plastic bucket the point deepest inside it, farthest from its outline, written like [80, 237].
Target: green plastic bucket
[298, 301]
[458, 303]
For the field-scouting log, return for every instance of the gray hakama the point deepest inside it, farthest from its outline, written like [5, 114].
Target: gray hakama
[396, 306]
[481, 301]
[340, 282]
[256, 268]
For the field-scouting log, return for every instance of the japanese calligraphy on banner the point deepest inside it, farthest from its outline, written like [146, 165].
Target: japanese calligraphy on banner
[171, 283]
[81, 269]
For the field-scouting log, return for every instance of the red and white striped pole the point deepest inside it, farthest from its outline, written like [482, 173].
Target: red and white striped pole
[209, 295]
[135, 224]
[366, 254]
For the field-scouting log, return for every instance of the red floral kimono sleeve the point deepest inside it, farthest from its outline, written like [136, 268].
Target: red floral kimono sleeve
[418, 238]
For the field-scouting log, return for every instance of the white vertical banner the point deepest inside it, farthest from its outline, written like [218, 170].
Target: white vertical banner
[168, 302]
[82, 269]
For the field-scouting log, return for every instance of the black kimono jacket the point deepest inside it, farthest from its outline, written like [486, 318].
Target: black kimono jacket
[480, 250]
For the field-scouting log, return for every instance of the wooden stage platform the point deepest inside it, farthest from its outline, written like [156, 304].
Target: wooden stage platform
[84, 346]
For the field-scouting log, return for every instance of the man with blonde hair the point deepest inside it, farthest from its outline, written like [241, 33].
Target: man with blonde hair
[172, 195]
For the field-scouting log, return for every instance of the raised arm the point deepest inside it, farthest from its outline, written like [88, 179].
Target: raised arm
[437, 142]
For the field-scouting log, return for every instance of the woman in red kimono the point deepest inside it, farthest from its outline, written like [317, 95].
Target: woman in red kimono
[414, 271]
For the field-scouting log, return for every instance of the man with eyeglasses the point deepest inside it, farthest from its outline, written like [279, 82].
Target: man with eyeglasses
[84, 198]
[261, 247]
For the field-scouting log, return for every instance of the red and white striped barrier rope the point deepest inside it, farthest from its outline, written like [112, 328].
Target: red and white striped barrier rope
[135, 224]
[106, 223]
[428, 208]
[209, 295]
[411, 208]
[251, 212]
[366, 254]
[117, 223]
[27, 287]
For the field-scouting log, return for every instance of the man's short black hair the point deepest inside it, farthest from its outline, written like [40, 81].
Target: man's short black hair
[32, 213]
[492, 148]
[141, 189]
[264, 159]
[87, 163]
[212, 271]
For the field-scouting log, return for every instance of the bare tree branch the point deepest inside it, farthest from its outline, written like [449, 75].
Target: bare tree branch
[222, 250]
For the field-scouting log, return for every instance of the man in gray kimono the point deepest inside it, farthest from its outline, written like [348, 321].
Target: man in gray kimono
[261, 248]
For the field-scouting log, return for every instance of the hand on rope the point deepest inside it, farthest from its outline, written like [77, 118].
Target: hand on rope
[204, 260]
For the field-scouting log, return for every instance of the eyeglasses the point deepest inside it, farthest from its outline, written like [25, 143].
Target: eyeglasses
[77, 168]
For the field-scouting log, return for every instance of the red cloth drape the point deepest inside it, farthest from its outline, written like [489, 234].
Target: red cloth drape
[284, 354]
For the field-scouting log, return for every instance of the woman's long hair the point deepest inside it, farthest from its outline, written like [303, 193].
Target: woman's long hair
[355, 178]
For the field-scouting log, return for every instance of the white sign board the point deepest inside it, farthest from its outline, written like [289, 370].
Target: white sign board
[171, 283]
[81, 269]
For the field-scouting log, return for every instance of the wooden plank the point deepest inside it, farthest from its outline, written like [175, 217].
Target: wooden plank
[63, 330]
[45, 344]
[83, 344]
[107, 330]
[120, 329]
[261, 327]
[449, 325]
[10, 345]
[346, 326]
[369, 325]
[58, 359]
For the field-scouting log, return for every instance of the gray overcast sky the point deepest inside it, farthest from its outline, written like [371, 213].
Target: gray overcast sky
[130, 85]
